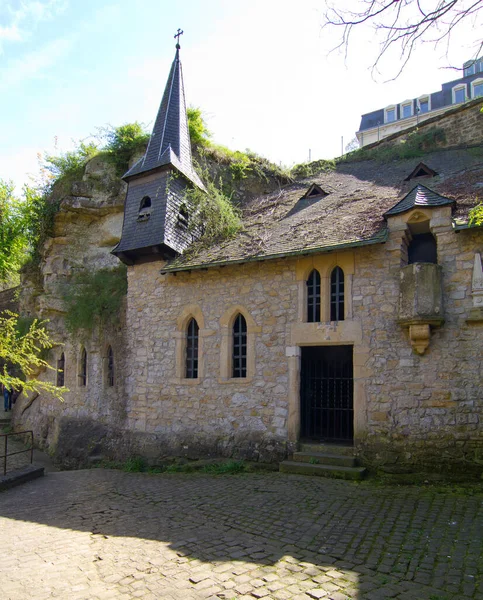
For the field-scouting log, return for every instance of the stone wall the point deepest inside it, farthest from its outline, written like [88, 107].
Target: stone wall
[462, 126]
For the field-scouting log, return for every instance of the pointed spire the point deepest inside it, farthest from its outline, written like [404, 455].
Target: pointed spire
[170, 142]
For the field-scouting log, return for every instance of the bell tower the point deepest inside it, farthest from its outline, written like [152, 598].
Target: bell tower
[156, 214]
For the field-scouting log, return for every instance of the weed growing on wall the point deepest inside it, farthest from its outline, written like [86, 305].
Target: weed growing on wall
[94, 299]
[476, 215]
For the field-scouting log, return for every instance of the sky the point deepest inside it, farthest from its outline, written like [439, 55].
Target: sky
[260, 70]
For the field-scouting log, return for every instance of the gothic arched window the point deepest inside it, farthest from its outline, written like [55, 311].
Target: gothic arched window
[337, 294]
[313, 297]
[240, 346]
[192, 336]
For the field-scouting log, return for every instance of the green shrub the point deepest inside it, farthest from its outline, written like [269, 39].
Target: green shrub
[316, 167]
[476, 215]
[199, 133]
[416, 144]
[213, 214]
[122, 143]
[94, 298]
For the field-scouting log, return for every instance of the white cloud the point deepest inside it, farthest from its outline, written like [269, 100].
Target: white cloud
[21, 17]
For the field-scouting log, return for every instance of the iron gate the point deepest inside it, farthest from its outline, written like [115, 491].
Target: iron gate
[327, 386]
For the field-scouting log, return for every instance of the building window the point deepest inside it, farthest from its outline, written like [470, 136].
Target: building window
[424, 104]
[83, 368]
[390, 114]
[422, 249]
[469, 68]
[240, 346]
[110, 367]
[337, 294]
[192, 349]
[313, 297]
[61, 370]
[406, 110]
[459, 94]
[144, 209]
[183, 217]
[477, 87]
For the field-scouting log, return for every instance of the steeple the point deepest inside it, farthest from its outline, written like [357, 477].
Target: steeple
[157, 211]
[169, 144]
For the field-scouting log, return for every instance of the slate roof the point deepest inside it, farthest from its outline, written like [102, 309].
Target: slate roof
[170, 142]
[419, 196]
[359, 195]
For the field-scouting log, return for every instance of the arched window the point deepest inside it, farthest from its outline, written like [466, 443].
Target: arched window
[313, 297]
[192, 349]
[61, 370]
[337, 294]
[83, 368]
[145, 203]
[240, 346]
[110, 367]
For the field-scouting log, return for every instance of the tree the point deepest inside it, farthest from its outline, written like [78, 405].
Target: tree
[199, 133]
[13, 240]
[352, 145]
[21, 355]
[404, 24]
[476, 215]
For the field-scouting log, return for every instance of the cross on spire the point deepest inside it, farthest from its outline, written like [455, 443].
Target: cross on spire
[176, 35]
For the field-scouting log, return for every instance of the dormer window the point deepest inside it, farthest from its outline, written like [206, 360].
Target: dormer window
[421, 170]
[390, 114]
[459, 94]
[406, 109]
[477, 88]
[469, 68]
[424, 104]
[144, 209]
[315, 191]
[183, 217]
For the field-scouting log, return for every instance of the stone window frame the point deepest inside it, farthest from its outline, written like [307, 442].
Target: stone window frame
[316, 296]
[335, 306]
[83, 368]
[324, 264]
[109, 368]
[193, 311]
[60, 366]
[227, 321]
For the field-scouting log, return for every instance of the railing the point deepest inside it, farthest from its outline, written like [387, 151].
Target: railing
[5, 446]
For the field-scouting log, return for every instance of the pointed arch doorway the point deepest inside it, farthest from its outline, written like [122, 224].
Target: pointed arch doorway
[326, 394]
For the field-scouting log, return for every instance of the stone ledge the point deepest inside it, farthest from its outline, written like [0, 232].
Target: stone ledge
[20, 476]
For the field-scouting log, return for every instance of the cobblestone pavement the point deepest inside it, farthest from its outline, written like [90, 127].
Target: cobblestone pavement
[17, 461]
[100, 534]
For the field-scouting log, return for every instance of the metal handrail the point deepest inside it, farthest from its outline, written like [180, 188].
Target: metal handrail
[31, 449]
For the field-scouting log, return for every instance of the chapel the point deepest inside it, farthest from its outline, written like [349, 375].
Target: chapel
[344, 318]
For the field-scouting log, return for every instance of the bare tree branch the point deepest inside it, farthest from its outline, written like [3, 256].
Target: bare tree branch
[405, 24]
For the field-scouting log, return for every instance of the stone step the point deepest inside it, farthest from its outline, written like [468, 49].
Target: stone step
[303, 468]
[319, 458]
[346, 450]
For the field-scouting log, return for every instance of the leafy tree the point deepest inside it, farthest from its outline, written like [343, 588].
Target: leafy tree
[13, 230]
[21, 355]
[71, 163]
[404, 24]
[199, 133]
[476, 215]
